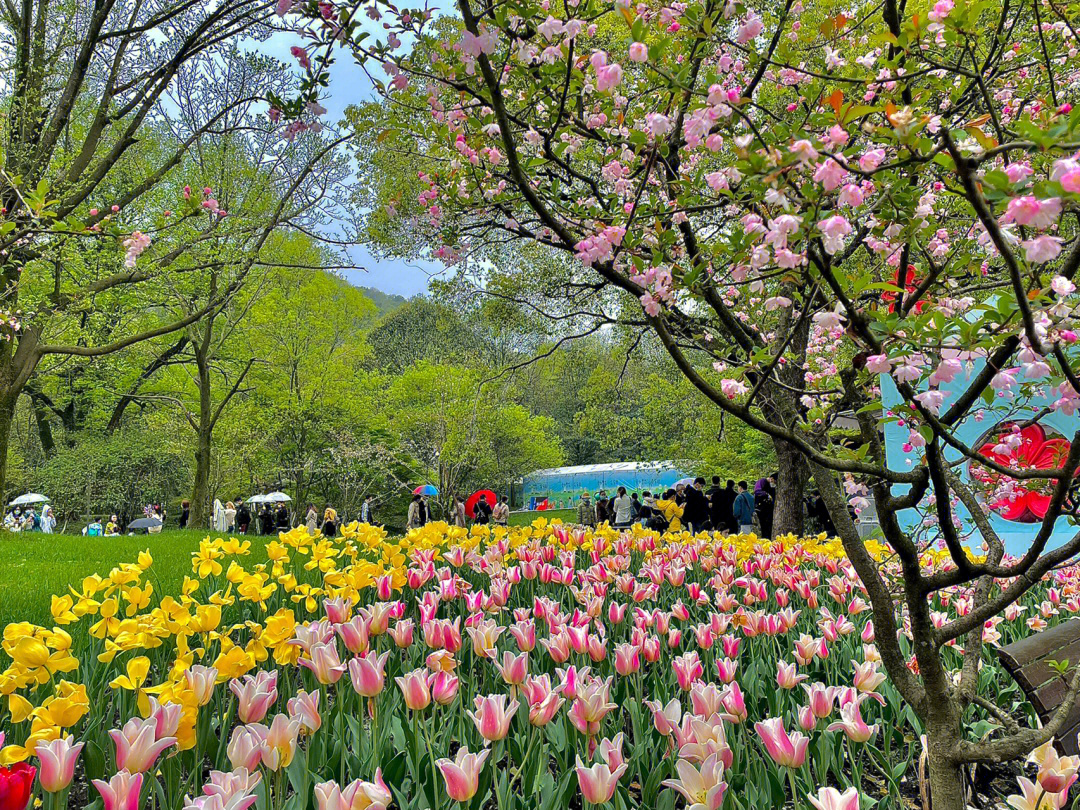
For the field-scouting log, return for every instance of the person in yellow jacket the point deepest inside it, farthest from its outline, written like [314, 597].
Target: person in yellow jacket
[671, 511]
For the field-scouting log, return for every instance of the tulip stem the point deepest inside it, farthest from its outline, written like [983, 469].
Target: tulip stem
[434, 769]
[794, 788]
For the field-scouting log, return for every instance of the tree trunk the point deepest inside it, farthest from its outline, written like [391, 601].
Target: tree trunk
[790, 482]
[44, 427]
[200, 494]
[7, 416]
[946, 777]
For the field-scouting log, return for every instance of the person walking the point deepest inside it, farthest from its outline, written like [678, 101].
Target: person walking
[412, 520]
[283, 518]
[219, 516]
[623, 506]
[185, 513]
[425, 510]
[243, 516]
[696, 507]
[329, 526]
[311, 519]
[723, 504]
[764, 504]
[671, 510]
[482, 511]
[230, 517]
[500, 513]
[743, 509]
[459, 512]
[586, 512]
[367, 511]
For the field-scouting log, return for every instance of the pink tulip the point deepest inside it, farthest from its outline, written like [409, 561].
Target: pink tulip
[598, 783]
[867, 678]
[492, 716]
[305, 708]
[627, 659]
[787, 676]
[201, 681]
[688, 669]
[616, 613]
[543, 702]
[337, 610]
[807, 721]
[166, 718]
[524, 634]
[852, 724]
[378, 617]
[706, 699]
[592, 705]
[610, 751]
[367, 673]
[665, 718]
[354, 635]
[279, 743]
[726, 668]
[57, 759]
[1056, 773]
[414, 687]
[245, 748]
[255, 694]
[596, 646]
[829, 798]
[121, 792]
[232, 783]
[786, 750]
[324, 661]
[137, 744]
[368, 795]
[820, 698]
[734, 704]
[572, 680]
[514, 669]
[328, 796]
[402, 633]
[704, 787]
[444, 687]
[462, 773]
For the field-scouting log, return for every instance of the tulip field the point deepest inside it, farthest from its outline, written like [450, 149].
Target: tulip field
[532, 667]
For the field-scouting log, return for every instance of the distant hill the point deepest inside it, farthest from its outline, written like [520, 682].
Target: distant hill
[385, 302]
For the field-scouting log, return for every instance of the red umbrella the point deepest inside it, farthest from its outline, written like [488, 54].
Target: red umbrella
[474, 499]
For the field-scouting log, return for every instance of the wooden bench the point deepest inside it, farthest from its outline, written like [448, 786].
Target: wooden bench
[1027, 660]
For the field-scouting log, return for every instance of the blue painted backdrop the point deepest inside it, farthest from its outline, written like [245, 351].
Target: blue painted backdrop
[1016, 536]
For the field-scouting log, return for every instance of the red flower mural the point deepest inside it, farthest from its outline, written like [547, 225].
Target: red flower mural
[1036, 451]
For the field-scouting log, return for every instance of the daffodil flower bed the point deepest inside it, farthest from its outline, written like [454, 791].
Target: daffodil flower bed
[531, 667]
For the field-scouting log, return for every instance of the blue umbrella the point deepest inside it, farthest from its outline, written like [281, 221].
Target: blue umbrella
[425, 489]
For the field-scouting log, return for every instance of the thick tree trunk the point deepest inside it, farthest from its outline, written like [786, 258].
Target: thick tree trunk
[946, 777]
[792, 474]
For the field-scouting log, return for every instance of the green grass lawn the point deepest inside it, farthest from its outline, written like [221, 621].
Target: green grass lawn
[39, 565]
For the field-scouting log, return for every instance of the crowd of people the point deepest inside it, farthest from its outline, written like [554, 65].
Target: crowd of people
[30, 520]
[486, 510]
[729, 508]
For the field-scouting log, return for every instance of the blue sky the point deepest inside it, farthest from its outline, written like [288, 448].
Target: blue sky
[349, 85]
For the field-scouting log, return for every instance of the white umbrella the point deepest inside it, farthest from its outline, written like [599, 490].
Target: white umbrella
[686, 482]
[257, 499]
[30, 497]
[276, 497]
